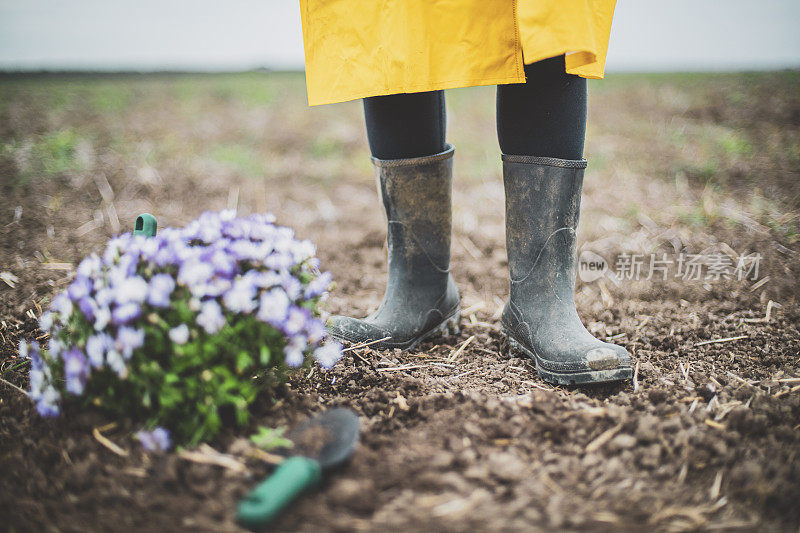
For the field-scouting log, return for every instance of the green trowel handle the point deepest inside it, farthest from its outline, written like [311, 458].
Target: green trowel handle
[145, 225]
[268, 499]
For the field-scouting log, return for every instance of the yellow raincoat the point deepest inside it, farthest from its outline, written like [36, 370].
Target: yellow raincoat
[360, 48]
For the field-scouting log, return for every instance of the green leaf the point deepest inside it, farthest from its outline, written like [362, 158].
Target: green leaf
[264, 356]
[271, 439]
[243, 360]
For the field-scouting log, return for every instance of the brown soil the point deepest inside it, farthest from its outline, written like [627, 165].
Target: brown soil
[707, 438]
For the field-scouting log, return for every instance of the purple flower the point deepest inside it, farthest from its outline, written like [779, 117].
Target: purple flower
[148, 248]
[166, 256]
[247, 250]
[62, 305]
[279, 261]
[87, 307]
[294, 352]
[273, 307]
[263, 279]
[214, 288]
[241, 297]
[124, 269]
[292, 286]
[209, 233]
[262, 233]
[284, 237]
[39, 381]
[47, 403]
[79, 288]
[46, 321]
[116, 363]
[130, 289]
[222, 263]
[296, 320]
[89, 267]
[328, 354]
[194, 273]
[157, 440]
[102, 316]
[76, 370]
[159, 290]
[104, 297]
[211, 318]
[96, 347]
[128, 340]
[179, 334]
[227, 215]
[41, 389]
[302, 250]
[123, 314]
[315, 330]
[55, 346]
[114, 247]
[263, 220]
[318, 286]
[33, 353]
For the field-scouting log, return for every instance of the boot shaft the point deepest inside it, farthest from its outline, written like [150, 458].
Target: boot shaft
[416, 195]
[543, 197]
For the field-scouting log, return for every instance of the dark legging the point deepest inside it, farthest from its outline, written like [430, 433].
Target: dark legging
[546, 116]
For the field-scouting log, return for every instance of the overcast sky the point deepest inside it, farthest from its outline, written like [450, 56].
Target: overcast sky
[241, 34]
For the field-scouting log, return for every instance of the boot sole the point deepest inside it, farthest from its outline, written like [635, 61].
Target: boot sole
[572, 378]
[451, 324]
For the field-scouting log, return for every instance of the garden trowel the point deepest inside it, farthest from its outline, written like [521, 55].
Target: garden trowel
[321, 442]
[145, 225]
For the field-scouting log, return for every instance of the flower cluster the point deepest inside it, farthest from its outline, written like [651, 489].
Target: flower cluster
[156, 440]
[184, 321]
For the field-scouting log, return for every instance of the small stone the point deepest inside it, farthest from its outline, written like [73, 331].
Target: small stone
[647, 428]
[658, 395]
[671, 425]
[622, 442]
[240, 447]
[441, 460]
[707, 392]
[477, 472]
[506, 466]
[650, 456]
[353, 494]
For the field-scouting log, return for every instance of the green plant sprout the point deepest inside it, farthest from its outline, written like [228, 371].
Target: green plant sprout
[269, 439]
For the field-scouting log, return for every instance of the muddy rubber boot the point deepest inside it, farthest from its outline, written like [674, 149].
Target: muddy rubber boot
[543, 197]
[421, 298]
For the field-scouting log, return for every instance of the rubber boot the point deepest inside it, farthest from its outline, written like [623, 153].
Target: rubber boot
[543, 197]
[421, 298]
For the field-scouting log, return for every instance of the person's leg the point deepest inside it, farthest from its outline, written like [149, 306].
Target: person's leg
[400, 126]
[414, 168]
[541, 126]
[546, 116]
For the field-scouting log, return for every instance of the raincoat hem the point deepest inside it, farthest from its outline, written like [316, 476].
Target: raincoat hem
[418, 88]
